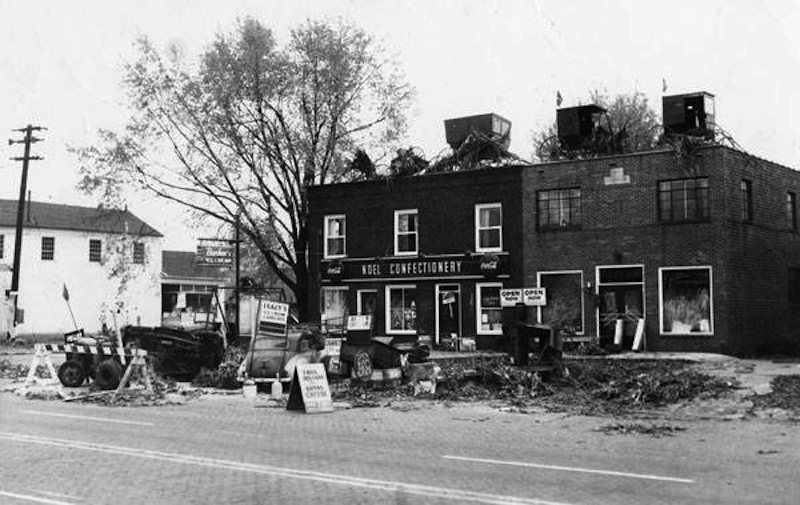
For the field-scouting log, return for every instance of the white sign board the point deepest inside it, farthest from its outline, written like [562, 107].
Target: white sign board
[333, 349]
[274, 312]
[310, 391]
[510, 297]
[359, 323]
[534, 297]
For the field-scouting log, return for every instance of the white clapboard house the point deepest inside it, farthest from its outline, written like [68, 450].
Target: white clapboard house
[107, 262]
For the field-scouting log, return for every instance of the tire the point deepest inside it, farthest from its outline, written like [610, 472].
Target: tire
[362, 365]
[71, 373]
[108, 374]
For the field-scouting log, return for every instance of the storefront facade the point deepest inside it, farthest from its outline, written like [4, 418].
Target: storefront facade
[425, 256]
[699, 252]
[702, 250]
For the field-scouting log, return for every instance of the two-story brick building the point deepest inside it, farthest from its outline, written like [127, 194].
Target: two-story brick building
[423, 255]
[699, 248]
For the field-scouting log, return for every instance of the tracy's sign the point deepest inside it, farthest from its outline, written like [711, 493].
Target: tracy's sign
[453, 265]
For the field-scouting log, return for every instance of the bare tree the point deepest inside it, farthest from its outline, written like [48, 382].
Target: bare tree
[250, 127]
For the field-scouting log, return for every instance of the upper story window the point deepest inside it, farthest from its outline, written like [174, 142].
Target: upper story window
[559, 208]
[138, 253]
[334, 246]
[95, 250]
[683, 200]
[746, 190]
[791, 211]
[406, 232]
[2, 245]
[489, 227]
[48, 248]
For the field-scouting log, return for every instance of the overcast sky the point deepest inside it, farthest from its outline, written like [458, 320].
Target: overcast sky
[60, 67]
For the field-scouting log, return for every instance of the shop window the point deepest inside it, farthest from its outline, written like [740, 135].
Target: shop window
[334, 309]
[686, 301]
[746, 191]
[48, 248]
[405, 232]
[489, 312]
[489, 227]
[559, 208]
[138, 253]
[334, 236]
[95, 250]
[366, 302]
[683, 200]
[401, 310]
[794, 286]
[791, 212]
[564, 309]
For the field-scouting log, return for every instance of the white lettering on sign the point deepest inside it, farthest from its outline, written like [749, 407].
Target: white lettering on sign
[534, 297]
[274, 312]
[510, 297]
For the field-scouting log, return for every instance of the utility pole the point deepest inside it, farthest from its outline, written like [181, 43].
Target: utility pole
[237, 239]
[28, 140]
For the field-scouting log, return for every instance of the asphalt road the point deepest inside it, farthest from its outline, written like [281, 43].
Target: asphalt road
[232, 450]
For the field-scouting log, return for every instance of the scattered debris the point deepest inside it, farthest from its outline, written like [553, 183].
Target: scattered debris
[224, 377]
[654, 430]
[785, 395]
[768, 451]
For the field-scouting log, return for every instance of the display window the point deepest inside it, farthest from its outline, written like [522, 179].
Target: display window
[686, 301]
[564, 309]
[334, 310]
[401, 309]
[489, 311]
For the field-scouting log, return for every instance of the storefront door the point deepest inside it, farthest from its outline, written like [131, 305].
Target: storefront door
[448, 311]
[621, 294]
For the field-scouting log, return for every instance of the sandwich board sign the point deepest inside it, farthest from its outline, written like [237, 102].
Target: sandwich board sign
[534, 297]
[310, 392]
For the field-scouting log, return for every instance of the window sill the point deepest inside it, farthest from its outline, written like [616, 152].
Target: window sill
[337, 257]
[685, 335]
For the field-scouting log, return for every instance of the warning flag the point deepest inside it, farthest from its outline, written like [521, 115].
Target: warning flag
[65, 293]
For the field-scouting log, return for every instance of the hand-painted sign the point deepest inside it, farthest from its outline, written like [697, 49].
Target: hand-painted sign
[510, 297]
[273, 312]
[310, 391]
[534, 297]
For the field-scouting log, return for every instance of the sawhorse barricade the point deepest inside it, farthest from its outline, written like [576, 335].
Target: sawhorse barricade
[131, 356]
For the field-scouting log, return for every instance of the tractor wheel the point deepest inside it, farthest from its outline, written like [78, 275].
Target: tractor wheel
[362, 365]
[108, 374]
[71, 373]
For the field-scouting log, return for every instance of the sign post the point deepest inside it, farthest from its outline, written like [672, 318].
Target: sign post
[310, 391]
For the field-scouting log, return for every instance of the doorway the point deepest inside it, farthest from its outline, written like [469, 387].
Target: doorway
[620, 290]
[448, 311]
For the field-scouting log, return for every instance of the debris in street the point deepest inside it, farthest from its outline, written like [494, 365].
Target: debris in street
[224, 377]
[654, 430]
[785, 395]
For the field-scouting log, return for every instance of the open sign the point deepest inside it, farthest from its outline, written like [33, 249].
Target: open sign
[510, 297]
[534, 297]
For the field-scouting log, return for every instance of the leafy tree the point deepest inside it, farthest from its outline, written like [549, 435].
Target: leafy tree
[250, 127]
[632, 124]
